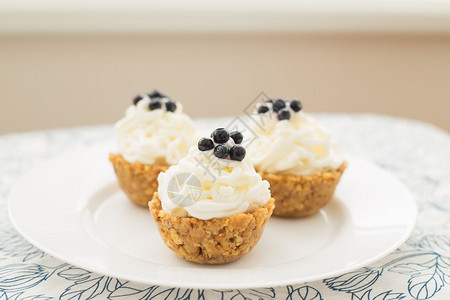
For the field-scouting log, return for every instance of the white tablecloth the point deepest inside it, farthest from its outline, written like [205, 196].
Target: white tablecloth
[417, 153]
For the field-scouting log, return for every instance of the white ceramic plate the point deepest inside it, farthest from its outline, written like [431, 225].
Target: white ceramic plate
[72, 208]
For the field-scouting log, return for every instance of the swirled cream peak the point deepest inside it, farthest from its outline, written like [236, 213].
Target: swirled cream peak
[205, 187]
[299, 145]
[154, 136]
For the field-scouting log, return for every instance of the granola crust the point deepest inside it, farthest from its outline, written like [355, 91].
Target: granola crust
[213, 241]
[300, 196]
[137, 180]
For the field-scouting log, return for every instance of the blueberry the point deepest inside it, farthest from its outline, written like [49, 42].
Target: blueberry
[237, 153]
[220, 135]
[171, 106]
[156, 94]
[221, 151]
[137, 99]
[205, 144]
[269, 101]
[278, 105]
[155, 104]
[262, 109]
[296, 105]
[284, 114]
[236, 136]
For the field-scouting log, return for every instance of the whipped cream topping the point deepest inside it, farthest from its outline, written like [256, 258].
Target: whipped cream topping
[154, 136]
[224, 187]
[298, 146]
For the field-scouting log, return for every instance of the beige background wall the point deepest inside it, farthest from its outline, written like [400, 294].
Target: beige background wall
[49, 81]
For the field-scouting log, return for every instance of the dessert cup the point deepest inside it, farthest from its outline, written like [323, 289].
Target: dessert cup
[138, 181]
[302, 195]
[213, 241]
[211, 207]
[297, 156]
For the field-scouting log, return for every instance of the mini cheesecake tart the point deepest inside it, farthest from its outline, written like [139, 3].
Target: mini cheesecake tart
[297, 156]
[226, 219]
[154, 134]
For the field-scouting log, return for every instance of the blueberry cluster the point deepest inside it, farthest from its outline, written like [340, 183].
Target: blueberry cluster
[218, 140]
[281, 107]
[157, 100]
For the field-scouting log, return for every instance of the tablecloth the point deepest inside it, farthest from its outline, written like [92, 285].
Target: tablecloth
[417, 153]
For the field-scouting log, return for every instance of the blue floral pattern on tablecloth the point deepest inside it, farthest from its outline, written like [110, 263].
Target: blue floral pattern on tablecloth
[417, 153]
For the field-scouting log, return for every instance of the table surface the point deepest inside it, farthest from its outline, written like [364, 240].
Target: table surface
[417, 153]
